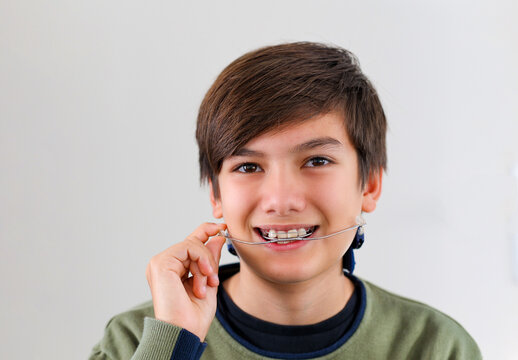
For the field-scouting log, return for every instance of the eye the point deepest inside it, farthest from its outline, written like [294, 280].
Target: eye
[317, 161]
[248, 168]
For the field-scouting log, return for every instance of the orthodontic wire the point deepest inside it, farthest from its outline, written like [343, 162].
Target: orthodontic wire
[222, 233]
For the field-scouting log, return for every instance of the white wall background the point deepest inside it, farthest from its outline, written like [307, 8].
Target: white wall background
[98, 163]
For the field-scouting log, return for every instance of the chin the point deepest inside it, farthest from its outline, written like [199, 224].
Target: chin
[287, 272]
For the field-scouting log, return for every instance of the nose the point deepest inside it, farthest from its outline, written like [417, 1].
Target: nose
[282, 192]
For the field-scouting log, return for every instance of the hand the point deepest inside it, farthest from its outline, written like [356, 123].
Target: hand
[188, 301]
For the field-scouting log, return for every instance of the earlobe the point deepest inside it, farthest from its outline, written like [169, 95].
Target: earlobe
[372, 191]
[217, 212]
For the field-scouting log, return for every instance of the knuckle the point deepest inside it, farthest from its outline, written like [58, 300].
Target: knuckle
[190, 240]
[154, 264]
[195, 238]
[153, 261]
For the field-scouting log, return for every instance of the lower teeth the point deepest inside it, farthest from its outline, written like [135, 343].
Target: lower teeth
[283, 242]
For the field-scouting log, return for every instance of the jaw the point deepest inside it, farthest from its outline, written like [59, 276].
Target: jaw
[287, 276]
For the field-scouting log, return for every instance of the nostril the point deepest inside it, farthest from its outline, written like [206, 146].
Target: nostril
[283, 200]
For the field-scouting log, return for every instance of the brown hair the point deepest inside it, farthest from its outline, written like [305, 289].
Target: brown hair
[282, 84]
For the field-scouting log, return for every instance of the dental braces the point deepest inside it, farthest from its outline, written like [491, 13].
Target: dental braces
[360, 223]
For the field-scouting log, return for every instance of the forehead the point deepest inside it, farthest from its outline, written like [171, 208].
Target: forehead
[322, 130]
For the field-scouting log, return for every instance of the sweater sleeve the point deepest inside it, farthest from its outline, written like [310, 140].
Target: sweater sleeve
[158, 341]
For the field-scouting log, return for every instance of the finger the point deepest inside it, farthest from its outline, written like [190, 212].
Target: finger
[209, 267]
[192, 249]
[205, 231]
[213, 280]
[199, 284]
[203, 258]
[214, 246]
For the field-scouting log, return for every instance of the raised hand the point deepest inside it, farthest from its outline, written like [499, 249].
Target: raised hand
[184, 280]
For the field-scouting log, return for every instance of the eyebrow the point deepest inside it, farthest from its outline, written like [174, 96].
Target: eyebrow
[326, 141]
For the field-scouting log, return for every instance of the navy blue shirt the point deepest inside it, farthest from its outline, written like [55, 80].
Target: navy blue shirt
[277, 338]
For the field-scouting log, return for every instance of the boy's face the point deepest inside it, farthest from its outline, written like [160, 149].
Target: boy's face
[304, 176]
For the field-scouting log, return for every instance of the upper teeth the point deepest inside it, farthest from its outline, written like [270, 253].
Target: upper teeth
[280, 234]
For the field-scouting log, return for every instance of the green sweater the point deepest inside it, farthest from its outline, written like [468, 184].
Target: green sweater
[392, 327]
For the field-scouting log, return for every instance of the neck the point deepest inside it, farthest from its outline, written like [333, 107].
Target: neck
[302, 303]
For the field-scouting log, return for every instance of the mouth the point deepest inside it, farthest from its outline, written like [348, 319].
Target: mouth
[285, 234]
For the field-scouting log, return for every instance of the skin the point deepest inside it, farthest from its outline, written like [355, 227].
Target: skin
[180, 299]
[276, 181]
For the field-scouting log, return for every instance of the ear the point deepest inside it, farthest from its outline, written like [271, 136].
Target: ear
[217, 212]
[372, 191]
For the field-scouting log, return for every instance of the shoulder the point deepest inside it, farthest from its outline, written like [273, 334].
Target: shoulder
[132, 320]
[414, 327]
[123, 332]
[399, 309]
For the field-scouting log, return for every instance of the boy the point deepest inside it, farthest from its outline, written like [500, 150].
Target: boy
[292, 143]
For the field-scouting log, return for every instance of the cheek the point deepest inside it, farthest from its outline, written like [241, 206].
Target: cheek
[339, 197]
[236, 204]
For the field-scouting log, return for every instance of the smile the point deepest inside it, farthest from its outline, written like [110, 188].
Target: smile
[290, 233]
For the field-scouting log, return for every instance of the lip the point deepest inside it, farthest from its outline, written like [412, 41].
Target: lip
[287, 247]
